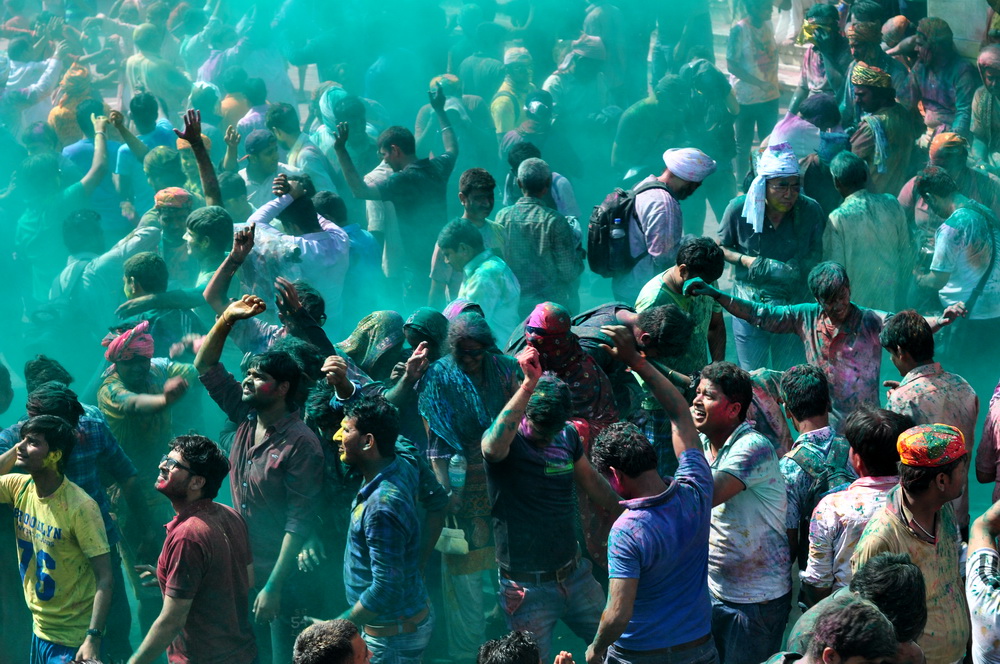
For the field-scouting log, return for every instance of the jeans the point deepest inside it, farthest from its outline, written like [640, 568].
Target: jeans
[756, 348]
[276, 640]
[703, 654]
[402, 648]
[577, 601]
[116, 642]
[763, 117]
[46, 652]
[749, 633]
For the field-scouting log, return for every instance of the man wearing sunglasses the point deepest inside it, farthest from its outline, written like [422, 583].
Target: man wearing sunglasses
[205, 569]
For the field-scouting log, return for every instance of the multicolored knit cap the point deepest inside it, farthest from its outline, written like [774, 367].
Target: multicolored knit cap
[930, 445]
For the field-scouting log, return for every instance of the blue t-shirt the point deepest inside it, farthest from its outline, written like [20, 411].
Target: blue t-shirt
[129, 167]
[663, 541]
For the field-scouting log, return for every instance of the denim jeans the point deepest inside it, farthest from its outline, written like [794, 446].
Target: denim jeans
[759, 117]
[402, 648]
[756, 348]
[749, 633]
[703, 654]
[577, 601]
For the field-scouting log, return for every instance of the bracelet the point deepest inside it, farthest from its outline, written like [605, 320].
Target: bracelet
[98, 133]
[444, 129]
[226, 320]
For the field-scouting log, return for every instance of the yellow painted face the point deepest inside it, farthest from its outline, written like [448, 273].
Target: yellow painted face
[51, 461]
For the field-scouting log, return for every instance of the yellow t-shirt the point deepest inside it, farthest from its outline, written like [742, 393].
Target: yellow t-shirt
[56, 537]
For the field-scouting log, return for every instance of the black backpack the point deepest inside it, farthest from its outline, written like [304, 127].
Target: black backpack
[608, 255]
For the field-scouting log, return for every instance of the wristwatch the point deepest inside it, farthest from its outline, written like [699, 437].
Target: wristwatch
[96, 633]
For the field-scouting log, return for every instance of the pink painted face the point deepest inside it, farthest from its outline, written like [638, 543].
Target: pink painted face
[260, 389]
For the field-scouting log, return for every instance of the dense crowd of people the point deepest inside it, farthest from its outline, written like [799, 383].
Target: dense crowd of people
[366, 297]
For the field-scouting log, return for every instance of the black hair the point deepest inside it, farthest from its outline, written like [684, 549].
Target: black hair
[401, 137]
[377, 416]
[256, 91]
[331, 206]
[867, 11]
[205, 459]
[82, 231]
[857, 629]
[805, 391]
[670, 326]
[476, 179]
[213, 222]
[820, 109]
[42, 369]
[872, 434]
[282, 116]
[909, 331]
[471, 326]
[40, 132]
[149, 271]
[204, 98]
[143, 108]
[625, 448]
[232, 186]
[918, 480]
[824, 12]
[55, 398]
[307, 355]
[934, 180]
[893, 583]
[84, 110]
[849, 170]
[460, 231]
[327, 642]
[521, 151]
[311, 300]
[283, 368]
[826, 279]
[702, 256]
[734, 383]
[233, 79]
[550, 405]
[57, 432]
[319, 414]
[349, 107]
[518, 647]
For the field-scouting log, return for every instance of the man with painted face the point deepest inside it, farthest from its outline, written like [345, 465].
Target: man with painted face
[262, 166]
[839, 337]
[772, 236]
[277, 472]
[534, 459]
[826, 58]
[65, 562]
[942, 80]
[986, 111]
[205, 568]
[383, 559]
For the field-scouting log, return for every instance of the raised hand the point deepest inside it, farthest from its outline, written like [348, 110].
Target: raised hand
[116, 119]
[437, 98]
[247, 306]
[622, 346]
[242, 243]
[286, 297]
[417, 363]
[232, 137]
[281, 185]
[531, 365]
[192, 127]
[340, 135]
[697, 286]
[335, 371]
[174, 388]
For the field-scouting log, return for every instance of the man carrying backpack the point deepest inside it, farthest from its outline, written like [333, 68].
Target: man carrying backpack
[653, 221]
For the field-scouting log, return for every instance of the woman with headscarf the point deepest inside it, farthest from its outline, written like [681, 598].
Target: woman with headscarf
[986, 110]
[460, 395]
[376, 344]
[772, 236]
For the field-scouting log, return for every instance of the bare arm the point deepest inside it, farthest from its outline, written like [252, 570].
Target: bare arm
[230, 162]
[497, 439]
[211, 349]
[717, 337]
[734, 305]
[218, 285]
[615, 618]
[596, 486]
[164, 630]
[101, 566]
[138, 148]
[99, 164]
[7, 460]
[206, 172]
[359, 188]
[448, 138]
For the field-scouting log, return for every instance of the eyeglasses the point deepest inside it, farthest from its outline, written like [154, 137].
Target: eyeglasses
[464, 352]
[784, 188]
[170, 464]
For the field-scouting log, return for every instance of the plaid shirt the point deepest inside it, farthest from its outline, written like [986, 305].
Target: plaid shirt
[381, 567]
[96, 451]
[541, 250]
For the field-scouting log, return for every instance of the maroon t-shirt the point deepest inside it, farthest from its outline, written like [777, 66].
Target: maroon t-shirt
[205, 559]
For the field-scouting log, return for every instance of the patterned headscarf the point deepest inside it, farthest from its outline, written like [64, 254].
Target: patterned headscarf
[935, 30]
[774, 162]
[930, 445]
[459, 306]
[127, 345]
[870, 75]
[430, 323]
[375, 343]
[864, 32]
[548, 332]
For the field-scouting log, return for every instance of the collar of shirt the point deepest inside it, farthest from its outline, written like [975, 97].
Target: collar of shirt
[896, 507]
[826, 328]
[816, 437]
[387, 472]
[881, 482]
[279, 427]
[740, 431]
[473, 265]
[929, 369]
[651, 501]
[189, 510]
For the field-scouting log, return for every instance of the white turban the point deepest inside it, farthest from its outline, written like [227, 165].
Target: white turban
[776, 161]
[689, 164]
[517, 54]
